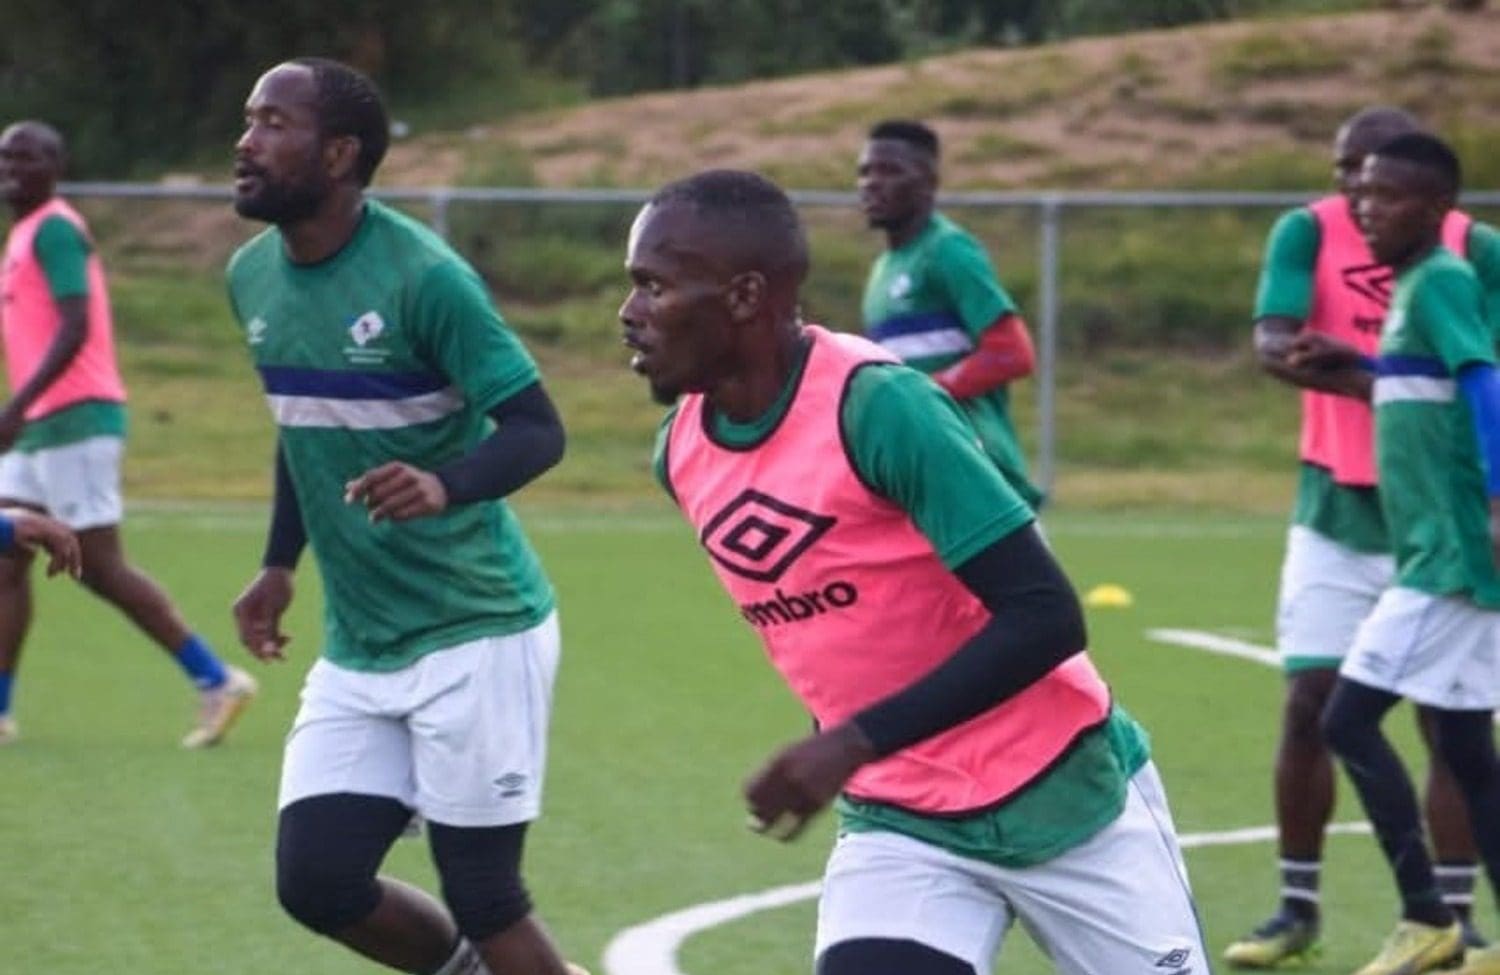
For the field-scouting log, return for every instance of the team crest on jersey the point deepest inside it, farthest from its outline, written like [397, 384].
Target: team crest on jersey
[367, 328]
[255, 330]
[900, 286]
[759, 537]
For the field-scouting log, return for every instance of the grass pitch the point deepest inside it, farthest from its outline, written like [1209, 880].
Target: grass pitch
[121, 852]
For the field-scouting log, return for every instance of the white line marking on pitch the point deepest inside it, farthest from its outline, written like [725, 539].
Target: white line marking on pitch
[651, 948]
[1213, 643]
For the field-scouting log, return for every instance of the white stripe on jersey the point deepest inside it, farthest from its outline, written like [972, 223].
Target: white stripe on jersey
[1425, 389]
[921, 345]
[364, 414]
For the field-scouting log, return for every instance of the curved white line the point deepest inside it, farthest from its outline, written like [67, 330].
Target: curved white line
[651, 948]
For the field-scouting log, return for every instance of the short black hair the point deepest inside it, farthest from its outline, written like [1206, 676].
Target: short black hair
[350, 104]
[767, 233]
[913, 133]
[1432, 154]
[1384, 122]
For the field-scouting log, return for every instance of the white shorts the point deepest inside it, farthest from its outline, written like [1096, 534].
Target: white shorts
[1327, 590]
[77, 483]
[1118, 903]
[1436, 650]
[460, 736]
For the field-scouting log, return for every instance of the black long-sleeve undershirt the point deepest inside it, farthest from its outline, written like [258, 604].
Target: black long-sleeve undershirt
[1036, 623]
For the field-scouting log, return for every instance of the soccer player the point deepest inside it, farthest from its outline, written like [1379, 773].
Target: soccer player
[22, 529]
[62, 432]
[1320, 277]
[981, 770]
[1432, 636]
[932, 299]
[406, 409]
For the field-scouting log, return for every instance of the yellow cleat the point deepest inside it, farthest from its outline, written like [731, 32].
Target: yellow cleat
[576, 969]
[1414, 948]
[1481, 961]
[1283, 941]
[9, 730]
[221, 707]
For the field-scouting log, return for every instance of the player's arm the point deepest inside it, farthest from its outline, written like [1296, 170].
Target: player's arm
[926, 461]
[1449, 310]
[1003, 350]
[258, 610]
[29, 530]
[1283, 300]
[62, 251]
[464, 337]
[1003, 353]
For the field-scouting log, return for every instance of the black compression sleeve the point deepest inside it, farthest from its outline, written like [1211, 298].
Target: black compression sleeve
[288, 535]
[528, 439]
[1036, 623]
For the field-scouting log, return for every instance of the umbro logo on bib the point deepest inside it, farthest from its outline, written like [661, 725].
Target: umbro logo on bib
[1371, 281]
[759, 537]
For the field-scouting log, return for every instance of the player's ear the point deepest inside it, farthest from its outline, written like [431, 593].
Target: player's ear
[340, 153]
[746, 295]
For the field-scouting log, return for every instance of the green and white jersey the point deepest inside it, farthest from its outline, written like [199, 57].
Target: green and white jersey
[390, 350]
[1431, 479]
[956, 497]
[926, 302]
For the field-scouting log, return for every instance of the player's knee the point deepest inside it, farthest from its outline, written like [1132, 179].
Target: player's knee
[322, 897]
[480, 868]
[889, 956]
[328, 849]
[1467, 747]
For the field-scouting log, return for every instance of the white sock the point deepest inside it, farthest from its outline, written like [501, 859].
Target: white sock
[465, 961]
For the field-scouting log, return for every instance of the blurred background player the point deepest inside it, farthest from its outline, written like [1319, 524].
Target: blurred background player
[405, 410]
[1320, 276]
[933, 300]
[22, 529]
[1431, 638]
[982, 771]
[63, 429]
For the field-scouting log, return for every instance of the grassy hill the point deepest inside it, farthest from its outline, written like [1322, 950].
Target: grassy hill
[1159, 402]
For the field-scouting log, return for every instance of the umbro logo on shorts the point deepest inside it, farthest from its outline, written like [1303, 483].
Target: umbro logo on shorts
[1177, 960]
[512, 784]
[759, 537]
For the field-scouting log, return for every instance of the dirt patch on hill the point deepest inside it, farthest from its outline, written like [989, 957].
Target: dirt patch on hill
[1150, 109]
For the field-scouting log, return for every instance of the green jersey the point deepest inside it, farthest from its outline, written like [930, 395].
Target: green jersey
[937, 473]
[1431, 479]
[927, 301]
[390, 350]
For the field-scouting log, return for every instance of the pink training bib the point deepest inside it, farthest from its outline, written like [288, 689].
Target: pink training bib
[30, 321]
[1351, 291]
[850, 599]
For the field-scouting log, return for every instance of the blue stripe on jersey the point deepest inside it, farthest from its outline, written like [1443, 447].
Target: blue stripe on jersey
[1411, 365]
[340, 384]
[896, 325]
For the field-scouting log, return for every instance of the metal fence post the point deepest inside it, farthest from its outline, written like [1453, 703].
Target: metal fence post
[1050, 215]
[440, 201]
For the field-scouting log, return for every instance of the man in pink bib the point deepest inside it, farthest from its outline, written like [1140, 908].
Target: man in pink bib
[981, 771]
[62, 431]
[1320, 278]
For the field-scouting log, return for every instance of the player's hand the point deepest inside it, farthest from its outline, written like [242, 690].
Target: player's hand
[803, 778]
[33, 531]
[398, 492]
[11, 422]
[257, 613]
[1318, 350]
